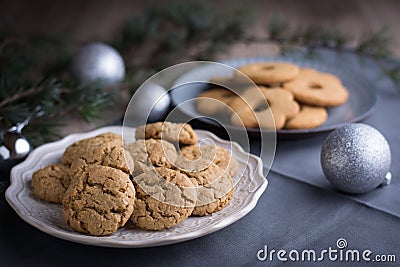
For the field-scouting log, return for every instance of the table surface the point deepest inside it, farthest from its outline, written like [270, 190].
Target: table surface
[305, 218]
[289, 215]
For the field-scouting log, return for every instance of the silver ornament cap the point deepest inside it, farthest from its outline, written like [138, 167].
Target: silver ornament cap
[98, 62]
[355, 158]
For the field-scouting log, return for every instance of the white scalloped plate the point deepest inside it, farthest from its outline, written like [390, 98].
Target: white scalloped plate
[48, 217]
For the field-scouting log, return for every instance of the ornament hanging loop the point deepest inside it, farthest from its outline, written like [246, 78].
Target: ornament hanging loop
[387, 180]
[15, 147]
[37, 112]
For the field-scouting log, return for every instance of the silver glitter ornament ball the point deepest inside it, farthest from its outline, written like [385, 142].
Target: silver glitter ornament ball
[98, 62]
[355, 158]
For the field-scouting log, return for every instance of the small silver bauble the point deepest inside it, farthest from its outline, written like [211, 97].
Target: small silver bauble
[98, 62]
[15, 147]
[13, 150]
[356, 158]
[149, 103]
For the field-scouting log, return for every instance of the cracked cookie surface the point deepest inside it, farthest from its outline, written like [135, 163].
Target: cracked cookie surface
[151, 152]
[215, 188]
[164, 198]
[99, 200]
[51, 182]
[116, 157]
[197, 158]
[175, 133]
[92, 149]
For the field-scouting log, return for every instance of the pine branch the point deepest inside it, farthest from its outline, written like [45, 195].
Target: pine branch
[277, 28]
[42, 131]
[91, 100]
[376, 44]
[18, 96]
[55, 101]
[24, 58]
[161, 37]
[7, 41]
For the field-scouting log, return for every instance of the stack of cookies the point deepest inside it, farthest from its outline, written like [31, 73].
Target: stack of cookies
[157, 181]
[297, 97]
[93, 184]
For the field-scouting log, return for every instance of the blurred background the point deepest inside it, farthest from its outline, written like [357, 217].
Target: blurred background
[151, 36]
[82, 21]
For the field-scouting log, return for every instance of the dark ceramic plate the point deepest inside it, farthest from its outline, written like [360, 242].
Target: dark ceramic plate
[361, 101]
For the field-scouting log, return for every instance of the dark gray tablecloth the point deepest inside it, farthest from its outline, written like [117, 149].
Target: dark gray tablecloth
[289, 215]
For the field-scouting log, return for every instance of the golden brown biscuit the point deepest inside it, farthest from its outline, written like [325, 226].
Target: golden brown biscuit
[99, 200]
[270, 72]
[198, 158]
[175, 133]
[316, 88]
[51, 182]
[215, 189]
[164, 198]
[277, 106]
[308, 117]
[120, 159]
[149, 152]
[93, 149]
[204, 194]
[116, 158]
[160, 152]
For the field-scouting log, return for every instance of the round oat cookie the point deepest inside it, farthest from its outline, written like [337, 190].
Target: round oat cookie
[316, 88]
[164, 198]
[92, 149]
[99, 200]
[197, 158]
[215, 189]
[308, 117]
[149, 152]
[120, 159]
[270, 72]
[116, 158]
[175, 133]
[51, 182]
[204, 194]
